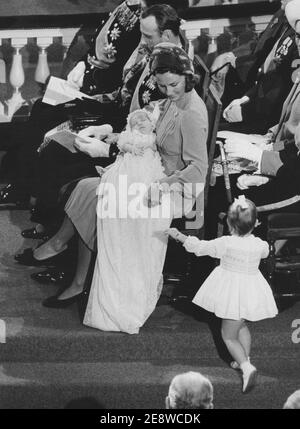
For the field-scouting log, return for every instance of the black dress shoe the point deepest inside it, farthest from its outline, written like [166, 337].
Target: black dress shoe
[33, 233]
[27, 258]
[53, 276]
[11, 195]
[54, 302]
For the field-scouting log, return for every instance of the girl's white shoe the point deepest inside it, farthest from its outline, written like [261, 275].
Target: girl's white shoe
[249, 377]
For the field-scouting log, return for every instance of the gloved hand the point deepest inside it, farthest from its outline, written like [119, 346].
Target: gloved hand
[233, 112]
[75, 77]
[243, 149]
[246, 180]
[92, 147]
[97, 131]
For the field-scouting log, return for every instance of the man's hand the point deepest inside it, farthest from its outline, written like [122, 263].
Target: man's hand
[247, 180]
[92, 147]
[138, 150]
[233, 112]
[96, 131]
[75, 77]
[242, 149]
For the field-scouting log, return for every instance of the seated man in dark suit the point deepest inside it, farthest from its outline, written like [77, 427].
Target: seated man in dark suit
[269, 80]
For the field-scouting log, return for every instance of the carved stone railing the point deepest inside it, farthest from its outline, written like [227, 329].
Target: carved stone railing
[44, 38]
[18, 39]
[216, 27]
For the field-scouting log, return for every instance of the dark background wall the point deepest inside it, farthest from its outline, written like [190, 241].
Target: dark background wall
[55, 7]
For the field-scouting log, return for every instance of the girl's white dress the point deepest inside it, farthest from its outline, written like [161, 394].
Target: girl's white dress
[236, 289]
[127, 278]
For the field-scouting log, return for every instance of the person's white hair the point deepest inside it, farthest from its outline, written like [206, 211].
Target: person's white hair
[190, 390]
[292, 12]
[293, 401]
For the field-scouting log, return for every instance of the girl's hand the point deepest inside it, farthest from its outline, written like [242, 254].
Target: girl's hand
[175, 234]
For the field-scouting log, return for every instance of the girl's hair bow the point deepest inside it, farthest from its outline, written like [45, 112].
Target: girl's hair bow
[240, 201]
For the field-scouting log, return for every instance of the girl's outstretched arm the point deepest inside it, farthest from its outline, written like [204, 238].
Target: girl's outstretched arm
[214, 248]
[176, 235]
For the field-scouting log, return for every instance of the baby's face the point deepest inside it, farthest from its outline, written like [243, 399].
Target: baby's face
[141, 123]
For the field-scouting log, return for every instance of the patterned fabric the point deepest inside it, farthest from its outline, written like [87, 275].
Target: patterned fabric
[278, 53]
[131, 80]
[170, 56]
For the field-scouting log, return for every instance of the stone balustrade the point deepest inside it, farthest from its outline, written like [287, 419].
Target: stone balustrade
[18, 38]
[216, 27]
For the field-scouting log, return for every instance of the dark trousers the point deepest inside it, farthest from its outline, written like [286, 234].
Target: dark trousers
[57, 166]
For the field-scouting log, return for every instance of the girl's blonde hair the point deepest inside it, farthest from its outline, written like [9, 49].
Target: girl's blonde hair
[242, 216]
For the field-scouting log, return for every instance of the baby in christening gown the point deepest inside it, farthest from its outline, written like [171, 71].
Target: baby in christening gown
[127, 279]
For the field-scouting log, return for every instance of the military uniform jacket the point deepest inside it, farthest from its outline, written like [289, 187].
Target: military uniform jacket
[116, 39]
[274, 30]
[271, 89]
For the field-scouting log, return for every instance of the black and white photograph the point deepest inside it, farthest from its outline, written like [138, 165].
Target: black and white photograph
[149, 209]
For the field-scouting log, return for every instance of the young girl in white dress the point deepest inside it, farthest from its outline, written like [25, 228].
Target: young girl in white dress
[127, 278]
[236, 290]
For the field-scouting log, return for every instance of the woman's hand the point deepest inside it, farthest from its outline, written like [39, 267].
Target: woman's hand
[138, 150]
[96, 131]
[153, 195]
[176, 235]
